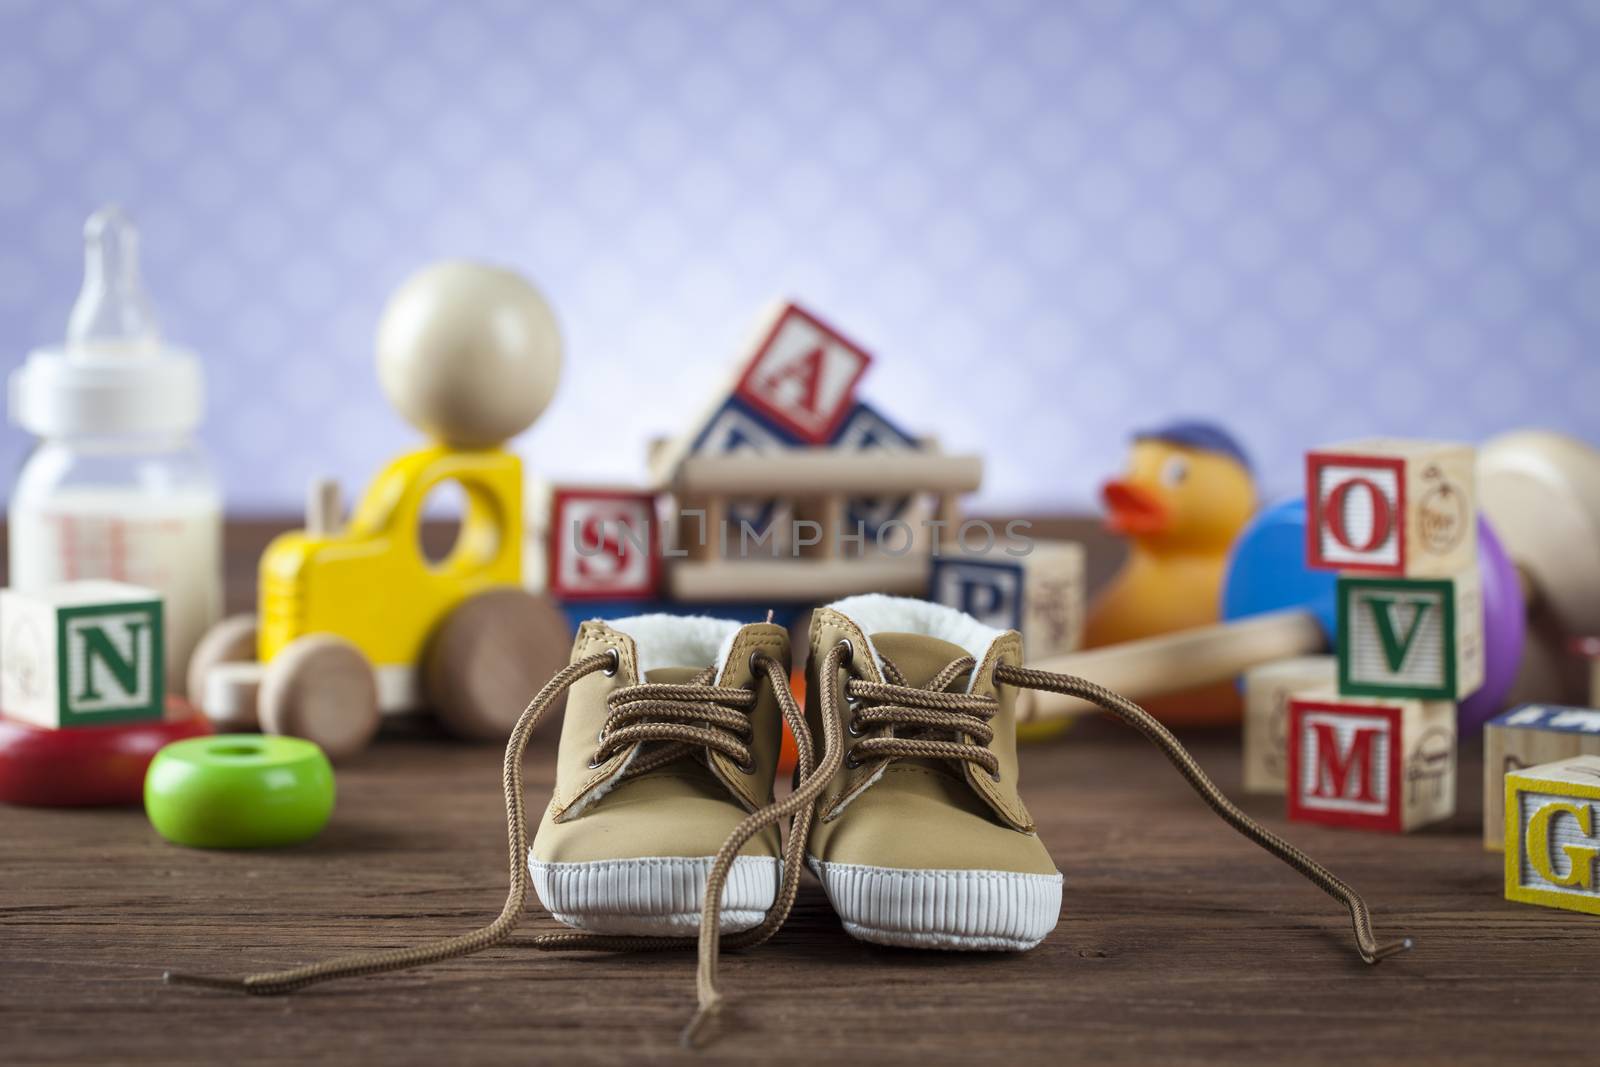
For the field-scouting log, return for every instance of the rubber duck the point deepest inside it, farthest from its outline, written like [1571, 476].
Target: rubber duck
[1187, 493]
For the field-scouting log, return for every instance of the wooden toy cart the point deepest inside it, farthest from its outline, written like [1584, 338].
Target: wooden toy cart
[818, 484]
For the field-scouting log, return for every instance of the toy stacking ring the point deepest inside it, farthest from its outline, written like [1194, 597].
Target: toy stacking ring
[239, 791]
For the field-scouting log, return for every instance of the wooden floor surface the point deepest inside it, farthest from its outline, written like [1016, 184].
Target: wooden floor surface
[1179, 941]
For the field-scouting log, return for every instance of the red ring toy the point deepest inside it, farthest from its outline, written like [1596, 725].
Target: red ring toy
[89, 766]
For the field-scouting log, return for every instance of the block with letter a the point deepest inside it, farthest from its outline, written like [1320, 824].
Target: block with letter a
[1372, 764]
[603, 544]
[1386, 506]
[802, 375]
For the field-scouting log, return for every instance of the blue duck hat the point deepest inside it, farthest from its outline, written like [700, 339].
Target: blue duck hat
[1205, 436]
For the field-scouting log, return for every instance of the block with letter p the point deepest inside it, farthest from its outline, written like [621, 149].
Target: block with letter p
[604, 544]
[1411, 637]
[82, 654]
[1552, 837]
[1371, 764]
[1039, 593]
[802, 375]
[1387, 506]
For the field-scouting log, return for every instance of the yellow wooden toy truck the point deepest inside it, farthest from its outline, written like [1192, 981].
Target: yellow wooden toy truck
[355, 617]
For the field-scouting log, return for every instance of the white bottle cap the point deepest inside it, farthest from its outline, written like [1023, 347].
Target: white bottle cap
[114, 375]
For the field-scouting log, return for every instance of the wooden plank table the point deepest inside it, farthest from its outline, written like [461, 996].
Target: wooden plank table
[1179, 941]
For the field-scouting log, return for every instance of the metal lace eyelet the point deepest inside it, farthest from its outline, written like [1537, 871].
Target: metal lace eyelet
[849, 650]
[854, 728]
[748, 767]
[616, 662]
[755, 663]
[596, 761]
[850, 760]
[994, 776]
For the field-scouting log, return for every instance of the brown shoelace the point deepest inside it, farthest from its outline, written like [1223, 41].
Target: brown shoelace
[879, 708]
[669, 713]
[894, 705]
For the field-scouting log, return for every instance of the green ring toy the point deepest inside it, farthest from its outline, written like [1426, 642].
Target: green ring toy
[239, 791]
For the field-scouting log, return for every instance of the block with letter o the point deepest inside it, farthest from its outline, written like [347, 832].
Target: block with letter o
[1392, 507]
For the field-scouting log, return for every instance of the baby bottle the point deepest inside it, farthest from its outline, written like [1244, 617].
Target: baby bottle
[116, 486]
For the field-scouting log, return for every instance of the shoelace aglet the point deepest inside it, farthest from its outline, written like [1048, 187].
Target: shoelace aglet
[695, 1031]
[1393, 948]
[233, 985]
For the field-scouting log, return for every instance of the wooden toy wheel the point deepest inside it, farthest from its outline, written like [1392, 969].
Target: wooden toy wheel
[321, 688]
[490, 656]
[1541, 492]
[233, 640]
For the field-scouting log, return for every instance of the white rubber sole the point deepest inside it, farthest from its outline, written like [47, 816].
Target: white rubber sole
[995, 911]
[654, 895]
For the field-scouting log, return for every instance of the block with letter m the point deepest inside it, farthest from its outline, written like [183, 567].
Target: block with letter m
[82, 654]
[1371, 764]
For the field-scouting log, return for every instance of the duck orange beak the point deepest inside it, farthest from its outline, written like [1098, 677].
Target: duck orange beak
[1132, 509]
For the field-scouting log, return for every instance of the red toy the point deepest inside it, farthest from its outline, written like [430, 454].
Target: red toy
[803, 376]
[604, 544]
[1371, 763]
[87, 766]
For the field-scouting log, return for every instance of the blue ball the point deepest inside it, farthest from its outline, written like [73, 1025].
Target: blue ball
[1268, 572]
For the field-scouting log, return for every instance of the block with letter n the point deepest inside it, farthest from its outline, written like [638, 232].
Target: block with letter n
[82, 654]
[1411, 637]
[1552, 835]
[1371, 764]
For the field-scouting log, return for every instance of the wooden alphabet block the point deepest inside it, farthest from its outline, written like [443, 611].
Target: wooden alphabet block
[1411, 637]
[735, 429]
[1267, 690]
[82, 654]
[1040, 593]
[1371, 764]
[802, 375]
[1552, 835]
[1528, 736]
[1387, 506]
[604, 544]
[865, 429]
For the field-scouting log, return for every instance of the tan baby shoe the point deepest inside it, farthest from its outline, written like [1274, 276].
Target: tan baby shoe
[649, 787]
[920, 839]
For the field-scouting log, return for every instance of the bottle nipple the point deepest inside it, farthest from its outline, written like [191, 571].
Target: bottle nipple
[112, 312]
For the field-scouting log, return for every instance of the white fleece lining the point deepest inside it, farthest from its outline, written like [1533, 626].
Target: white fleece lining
[678, 640]
[994, 911]
[877, 613]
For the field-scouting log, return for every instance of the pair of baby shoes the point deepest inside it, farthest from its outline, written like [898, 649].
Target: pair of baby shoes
[664, 825]
[918, 835]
